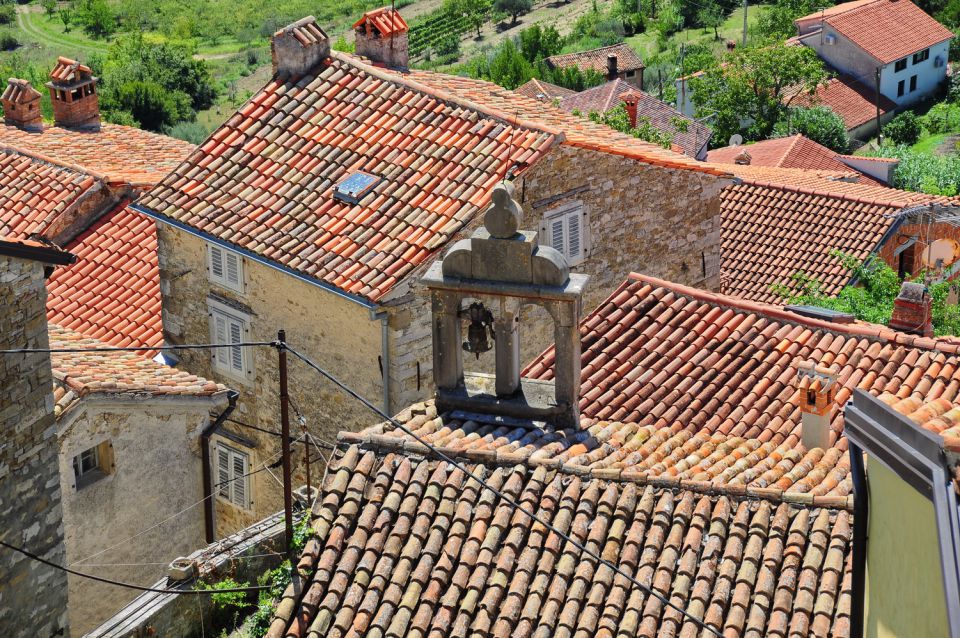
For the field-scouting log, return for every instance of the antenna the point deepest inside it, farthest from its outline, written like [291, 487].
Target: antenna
[507, 162]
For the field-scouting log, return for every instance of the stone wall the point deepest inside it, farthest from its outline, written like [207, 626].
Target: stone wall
[337, 333]
[914, 256]
[153, 473]
[33, 597]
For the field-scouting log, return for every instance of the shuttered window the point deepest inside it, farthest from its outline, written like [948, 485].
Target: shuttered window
[232, 471]
[228, 326]
[226, 267]
[564, 228]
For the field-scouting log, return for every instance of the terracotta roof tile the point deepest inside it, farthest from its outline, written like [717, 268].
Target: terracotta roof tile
[886, 29]
[112, 292]
[67, 71]
[79, 374]
[386, 21]
[541, 90]
[596, 59]
[19, 91]
[853, 101]
[122, 154]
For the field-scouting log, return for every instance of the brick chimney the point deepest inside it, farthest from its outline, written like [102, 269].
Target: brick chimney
[73, 91]
[912, 310]
[612, 71]
[630, 102]
[299, 47]
[816, 389]
[743, 158]
[381, 37]
[21, 105]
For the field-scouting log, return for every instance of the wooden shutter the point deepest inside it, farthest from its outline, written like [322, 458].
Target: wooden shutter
[216, 262]
[236, 352]
[233, 270]
[574, 237]
[240, 479]
[223, 472]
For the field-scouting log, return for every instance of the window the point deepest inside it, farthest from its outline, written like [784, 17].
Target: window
[92, 464]
[232, 471]
[913, 83]
[921, 56]
[229, 326]
[900, 87]
[225, 267]
[631, 75]
[565, 228]
[900, 66]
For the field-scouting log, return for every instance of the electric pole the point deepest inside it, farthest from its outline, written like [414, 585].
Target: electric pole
[285, 438]
[744, 44]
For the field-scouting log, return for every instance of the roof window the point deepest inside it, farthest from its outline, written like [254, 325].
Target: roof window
[354, 187]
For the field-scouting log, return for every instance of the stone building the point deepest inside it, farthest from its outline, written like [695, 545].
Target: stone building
[316, 206]
[32, 594]
[617, 61]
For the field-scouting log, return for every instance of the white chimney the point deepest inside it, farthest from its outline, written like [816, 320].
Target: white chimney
[816, 389]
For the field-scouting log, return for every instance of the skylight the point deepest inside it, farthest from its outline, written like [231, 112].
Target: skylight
[354, 187]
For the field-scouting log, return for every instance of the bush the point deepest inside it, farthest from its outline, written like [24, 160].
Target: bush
[924, 173]
[8, 42]
[903, 129]
[8, 13]
[820, 124]
[193, 132]
[513, 8]
[942, 118]
[152, 105]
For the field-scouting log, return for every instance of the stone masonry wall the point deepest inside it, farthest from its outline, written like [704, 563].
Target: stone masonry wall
[335, 332]
[33, 597]
[932, 232]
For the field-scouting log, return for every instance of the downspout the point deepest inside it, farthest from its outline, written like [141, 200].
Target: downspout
[208, 522]
[383, 316]
[859, 558]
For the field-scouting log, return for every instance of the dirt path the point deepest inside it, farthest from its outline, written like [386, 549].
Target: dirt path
[25, 17]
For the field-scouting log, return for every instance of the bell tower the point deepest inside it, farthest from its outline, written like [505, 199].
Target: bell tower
[484, 281]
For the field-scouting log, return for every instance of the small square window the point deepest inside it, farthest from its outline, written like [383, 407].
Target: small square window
[900, 65]
[92, 464]
[233, 476]
[230, 326]
[565, 229]
[900, 88]
[913, 83]
[225, 268]
[921, 56]
[631, 74]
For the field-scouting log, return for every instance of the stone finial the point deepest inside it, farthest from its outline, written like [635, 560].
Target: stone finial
[503, 217]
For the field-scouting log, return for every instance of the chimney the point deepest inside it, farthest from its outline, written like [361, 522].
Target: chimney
[612, 67]
[73, 91]
[21, 105]
[912, 310]
[299, 47]
[743, 158]
[381, 37]
[630, 101]
[816, 387]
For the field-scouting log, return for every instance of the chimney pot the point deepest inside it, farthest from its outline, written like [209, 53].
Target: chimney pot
[381, 36]
[912, 310]
[630, 103]
[21, 105]
[612, 67]
[816, 395]
[299, 47]
[73, 92]
[743, 158]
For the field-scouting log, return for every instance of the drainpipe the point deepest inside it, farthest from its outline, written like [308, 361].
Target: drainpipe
[859, 558]
[383, 316]
[208, 522]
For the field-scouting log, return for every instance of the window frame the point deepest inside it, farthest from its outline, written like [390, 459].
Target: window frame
[224, 360]
[226, 255]
[901, 88]
[900, 65]
[232, 489]
[913, 83]
[563, 214]
[100, 468]
[921, 56]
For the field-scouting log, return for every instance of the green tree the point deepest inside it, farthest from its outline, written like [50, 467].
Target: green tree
[903, 129]
[711, 17]
[754, 87]
[193, 132]
[776, 23]
[152, 105]
[96, 17]
[513, 8]
[571, 77]
[871, 299]
[49, 7]
[819, 123]
[474, 11]
[538, 42]
[618, 119]
[508, 67]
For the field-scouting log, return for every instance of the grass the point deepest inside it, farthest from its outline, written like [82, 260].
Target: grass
[929, 144]
[732, 29]
[51, 34]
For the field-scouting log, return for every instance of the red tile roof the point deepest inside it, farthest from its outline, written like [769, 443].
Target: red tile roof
[796, 151]
[35, 251]
[265, 180]
[35, 191]
[79, 374]
[121, 153]
[386, 21]
[541, 90]
[596, 59]
[941, 416]
[853, 101]
[777, 222]
[112, 292]
[661, 116]
[67, 71]
[886, 29]
[19, 91]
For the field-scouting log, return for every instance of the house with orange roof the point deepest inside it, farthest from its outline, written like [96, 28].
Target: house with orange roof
[890, 43]
[317, 204]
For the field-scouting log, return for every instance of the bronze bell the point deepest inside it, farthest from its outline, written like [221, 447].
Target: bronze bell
[481, 320]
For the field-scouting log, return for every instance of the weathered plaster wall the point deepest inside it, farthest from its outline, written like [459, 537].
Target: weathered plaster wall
[156, 473]
[335, 332]
[33, 597]
[905, 595]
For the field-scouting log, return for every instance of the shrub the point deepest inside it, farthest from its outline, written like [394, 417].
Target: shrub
[193, 132]
[8, 13]
[942, 118]
[8, 42]
[924, 173]
[903, 129]
[820, 124]
[152, 105]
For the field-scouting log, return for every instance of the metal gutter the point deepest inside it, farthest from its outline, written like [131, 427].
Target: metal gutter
[208, 506]
[254, 257]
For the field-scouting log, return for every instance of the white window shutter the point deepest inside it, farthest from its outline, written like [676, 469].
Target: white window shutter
[574, 243]
[223, 472]
[556, 235]
[216, 262]
[236, 353]
[240, 480]
[233, 270]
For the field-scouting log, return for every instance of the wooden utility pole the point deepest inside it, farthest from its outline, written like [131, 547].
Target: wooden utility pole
[285, 437]
[744, 44]
[877, 100]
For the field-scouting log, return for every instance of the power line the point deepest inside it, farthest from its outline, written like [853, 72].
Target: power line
[513, 504]
[190, 346]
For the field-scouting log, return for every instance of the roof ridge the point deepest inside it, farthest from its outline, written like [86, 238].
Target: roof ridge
[10, 148]
[398, 78]
[403, 445]
[859, 328]
[793, 144]
[826, 192]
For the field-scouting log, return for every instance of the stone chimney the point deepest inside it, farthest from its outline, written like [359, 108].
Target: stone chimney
[299, 47]
[630, 102]
[381, 37]
[612, 71]
[912, 310]
[73, 91]
[21, 105]
[816, 387]
[743, 158]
